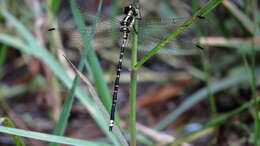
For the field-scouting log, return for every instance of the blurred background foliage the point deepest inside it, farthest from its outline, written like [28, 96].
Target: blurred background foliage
[184, 94]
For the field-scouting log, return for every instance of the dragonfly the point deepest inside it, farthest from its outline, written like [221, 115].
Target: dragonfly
[125, 27]
[131, 13]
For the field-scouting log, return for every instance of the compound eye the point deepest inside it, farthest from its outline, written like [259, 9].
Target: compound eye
[126, 10]
[136, 12]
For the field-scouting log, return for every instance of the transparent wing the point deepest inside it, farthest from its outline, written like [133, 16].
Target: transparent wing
[184, 44]
[112, 24]
[162, 21]
[150, 32]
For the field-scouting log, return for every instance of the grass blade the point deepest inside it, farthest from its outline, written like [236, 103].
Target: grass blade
[94, 65]
[253, 75]
[98, 102]
[205, 64]
[32, 47]
[65, 113]
[55, 4]
[202, 94]
[63, 120]
[202, 12]
[17, 139]
[3, 51]
[248, 24]
[96, 70]
[49, 137]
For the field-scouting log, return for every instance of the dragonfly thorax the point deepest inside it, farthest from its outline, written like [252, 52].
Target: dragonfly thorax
[130, 13]
[131, 9]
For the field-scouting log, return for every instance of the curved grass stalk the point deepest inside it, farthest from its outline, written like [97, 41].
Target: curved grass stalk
[98, 103]
[202, 12]
[64, 116]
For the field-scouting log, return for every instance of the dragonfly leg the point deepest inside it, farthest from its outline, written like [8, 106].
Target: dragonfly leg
[135, 30]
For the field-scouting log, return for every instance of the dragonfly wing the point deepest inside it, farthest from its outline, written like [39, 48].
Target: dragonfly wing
[155, 33]
[174, 47]
[162, 21]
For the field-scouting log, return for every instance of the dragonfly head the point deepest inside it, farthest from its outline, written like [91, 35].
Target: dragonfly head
[127, 9]
[132, 8]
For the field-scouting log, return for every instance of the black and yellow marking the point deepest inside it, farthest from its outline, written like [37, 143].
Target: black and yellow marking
[127, 23]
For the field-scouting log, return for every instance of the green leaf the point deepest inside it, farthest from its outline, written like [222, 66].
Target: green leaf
[3, 51]
[94, 66]
[32, 47]
[64, 116]
[55, 4]
[17, 139]
[49, 137]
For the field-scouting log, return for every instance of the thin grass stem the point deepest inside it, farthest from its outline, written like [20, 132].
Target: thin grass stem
[251, 72]
[133, 84]
[205, 65]
[3, 52]
[212, 103]
[253, 76]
